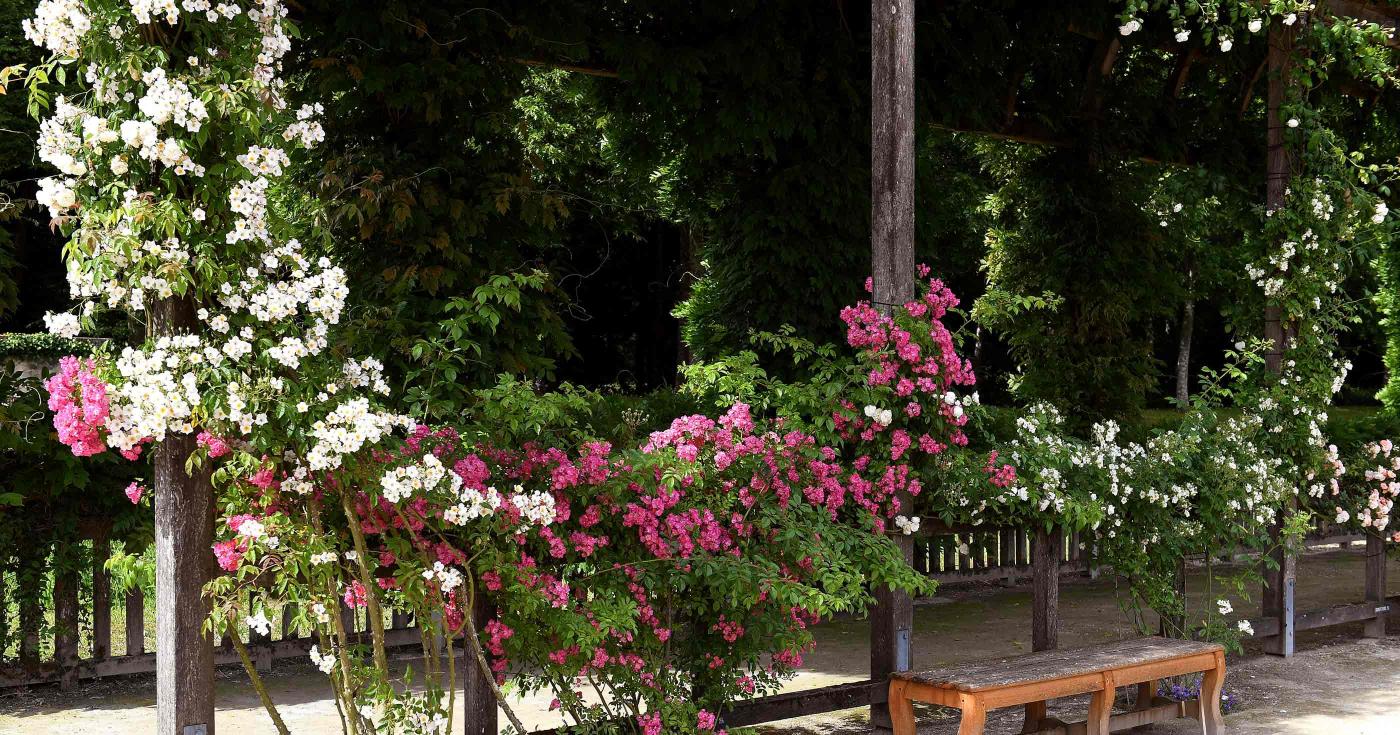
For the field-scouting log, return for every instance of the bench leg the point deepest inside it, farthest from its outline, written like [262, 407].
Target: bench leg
[1146, 692]
[901, 710]
[1212, 686]
[974, 716]
[1035, 713]
[1101, 708]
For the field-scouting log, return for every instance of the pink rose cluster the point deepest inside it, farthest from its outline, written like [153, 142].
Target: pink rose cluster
[79, 401]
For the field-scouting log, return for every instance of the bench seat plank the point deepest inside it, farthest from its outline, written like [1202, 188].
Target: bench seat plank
[977, 676]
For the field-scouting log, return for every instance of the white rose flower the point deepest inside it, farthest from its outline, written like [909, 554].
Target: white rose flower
[62, 324]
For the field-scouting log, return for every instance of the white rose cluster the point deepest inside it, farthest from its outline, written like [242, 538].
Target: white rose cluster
[1134, 473]
[264, 161]
[57, 194]
[62, 324]
[157, 394]
[448, 578]
[349, 428]
[170, 100]
[306, 130]
[59, 26]
[144, 10]
[422, 477]
[881, 416]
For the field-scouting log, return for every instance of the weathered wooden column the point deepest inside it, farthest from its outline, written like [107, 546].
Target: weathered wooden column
[101, 591]
[479, 714]
[184, 563]
[1375, 585]
[1045, 590]
[1045, 606]
[65, 612]
[892, 268]
[1279, 578]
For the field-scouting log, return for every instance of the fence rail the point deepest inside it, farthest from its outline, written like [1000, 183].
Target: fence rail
[950, 555]
[66, 667]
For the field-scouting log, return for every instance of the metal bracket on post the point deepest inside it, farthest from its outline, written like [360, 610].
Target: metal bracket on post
[200, 729]
[902, 649]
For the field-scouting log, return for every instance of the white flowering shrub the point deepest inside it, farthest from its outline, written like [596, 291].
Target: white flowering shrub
[167, 124]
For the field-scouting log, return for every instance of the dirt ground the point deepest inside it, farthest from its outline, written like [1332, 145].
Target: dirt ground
[1338, 684]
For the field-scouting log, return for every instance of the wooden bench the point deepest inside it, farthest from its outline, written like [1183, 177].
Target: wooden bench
[1034, 678]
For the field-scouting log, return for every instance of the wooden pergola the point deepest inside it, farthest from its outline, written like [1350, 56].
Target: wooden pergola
[184, 503]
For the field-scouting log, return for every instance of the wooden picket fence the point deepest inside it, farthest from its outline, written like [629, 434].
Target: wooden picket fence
[992, 555]
[951, 555]
[68, 662]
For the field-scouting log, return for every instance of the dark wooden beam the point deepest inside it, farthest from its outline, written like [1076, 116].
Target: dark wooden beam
[1382, 15]
[1045, 592]
[809, 702]
[1280, 577]
[591, 71]
[1022, 130]
[892, 269]
[1100, 68]
[184, 563]
[479, 710]
[1375, 585]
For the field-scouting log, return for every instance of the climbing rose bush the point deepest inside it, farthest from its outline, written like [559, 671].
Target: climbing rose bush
[672, 577]
[1364, 496]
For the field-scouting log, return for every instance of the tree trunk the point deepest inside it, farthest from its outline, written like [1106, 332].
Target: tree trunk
[184, 563]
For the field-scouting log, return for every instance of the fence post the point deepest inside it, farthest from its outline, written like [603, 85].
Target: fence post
[891, 630]
[1174, 626]
[65, 621]
[135, 622]
[101, 592]
[1375, 584]
[478, 701]
[1045, 591]
[1278, 581]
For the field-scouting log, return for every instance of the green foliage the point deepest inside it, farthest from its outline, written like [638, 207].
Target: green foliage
[453, 359]
[42, 345]
[1058, 244]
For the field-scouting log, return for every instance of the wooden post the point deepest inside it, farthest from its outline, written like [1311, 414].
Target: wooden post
[101, 592]
[1174, 626]
[184, 563]
[1045, 591]
[892, 270]
[478, 701]
[65, 619]
[135, 622]
[1375, 584]
[1279, 578]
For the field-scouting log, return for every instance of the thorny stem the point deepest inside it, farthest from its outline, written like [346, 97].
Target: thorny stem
[344, 637]
[253, 676]
[351, 717]
[374, 612]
